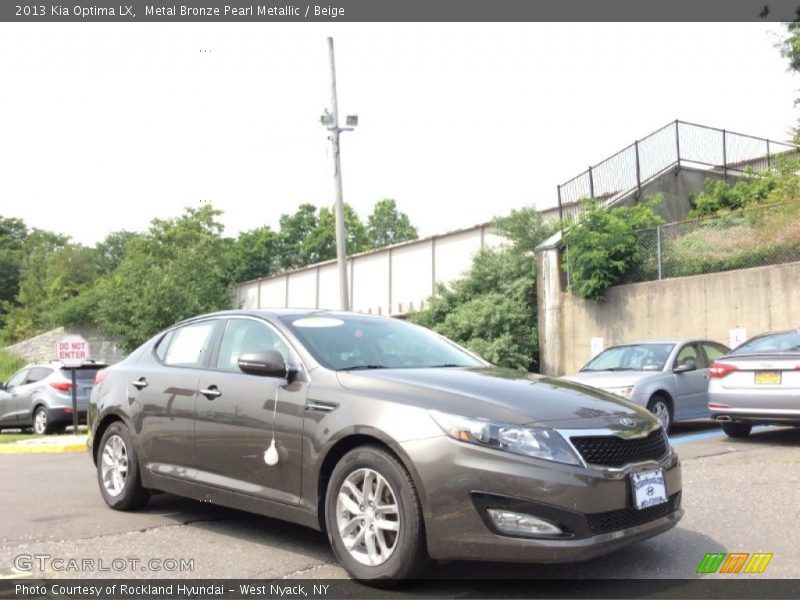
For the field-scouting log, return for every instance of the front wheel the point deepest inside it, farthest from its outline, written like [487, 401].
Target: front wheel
[737, 430]
[662, 410]
[373, 517]
[118, 470]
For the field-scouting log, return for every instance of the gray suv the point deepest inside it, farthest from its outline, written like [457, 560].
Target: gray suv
[402, 446]
[40, 396]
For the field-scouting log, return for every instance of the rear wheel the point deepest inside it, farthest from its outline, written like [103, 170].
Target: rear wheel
[661, 408]
[737, 430]
[118, 470]
[41, 425]
[373, 517]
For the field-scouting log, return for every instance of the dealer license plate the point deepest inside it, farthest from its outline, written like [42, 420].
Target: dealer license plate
[649, 488]
[768, 377]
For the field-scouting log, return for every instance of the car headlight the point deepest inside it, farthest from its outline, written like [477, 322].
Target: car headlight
[538, 442]
[625, 392]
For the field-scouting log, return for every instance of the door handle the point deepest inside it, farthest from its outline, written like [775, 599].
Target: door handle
[140, 383]
[211, 392]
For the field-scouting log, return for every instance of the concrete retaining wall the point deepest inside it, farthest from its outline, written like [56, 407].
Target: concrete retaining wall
[720, 306]
[43, 347]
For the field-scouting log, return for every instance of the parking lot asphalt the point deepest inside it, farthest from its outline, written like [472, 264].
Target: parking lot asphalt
[739, 496]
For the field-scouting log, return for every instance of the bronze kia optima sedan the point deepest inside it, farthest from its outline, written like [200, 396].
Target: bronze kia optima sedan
[401, 445]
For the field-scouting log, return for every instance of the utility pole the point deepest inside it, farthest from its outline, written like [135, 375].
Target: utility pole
[331, 121]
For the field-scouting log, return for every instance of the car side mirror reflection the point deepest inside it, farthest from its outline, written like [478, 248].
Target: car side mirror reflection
[689, 365]
[268, 363]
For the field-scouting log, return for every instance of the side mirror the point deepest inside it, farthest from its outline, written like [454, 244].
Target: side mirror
[689, 365]
[268, 363]
[2, 385]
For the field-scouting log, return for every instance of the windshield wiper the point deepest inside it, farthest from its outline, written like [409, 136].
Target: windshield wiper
[442, 366]
[362, 367]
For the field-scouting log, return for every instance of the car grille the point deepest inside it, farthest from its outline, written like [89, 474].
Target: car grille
[615, 520]
[613, 451]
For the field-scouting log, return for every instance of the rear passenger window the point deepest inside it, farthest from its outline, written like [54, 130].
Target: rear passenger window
[688, 353]
[37, 374]
[714, 351]
[190, 345]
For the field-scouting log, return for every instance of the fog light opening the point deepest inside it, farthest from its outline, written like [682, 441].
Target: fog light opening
[514, 523]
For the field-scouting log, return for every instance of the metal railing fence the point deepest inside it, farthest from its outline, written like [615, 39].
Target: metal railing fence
[677, 144]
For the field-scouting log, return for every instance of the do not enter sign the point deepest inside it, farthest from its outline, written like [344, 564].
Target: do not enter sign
[72, 350]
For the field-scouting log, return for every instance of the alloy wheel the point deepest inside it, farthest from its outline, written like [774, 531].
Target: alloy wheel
[661, 412]
[367, 517]
[40, 421]
[114, 468]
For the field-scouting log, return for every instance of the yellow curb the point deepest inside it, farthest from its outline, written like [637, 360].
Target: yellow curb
[41, 449]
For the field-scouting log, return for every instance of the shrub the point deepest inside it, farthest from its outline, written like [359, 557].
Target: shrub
[602, 246]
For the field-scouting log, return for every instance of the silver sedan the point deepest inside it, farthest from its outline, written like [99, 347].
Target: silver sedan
[758, 382]
[668, 377]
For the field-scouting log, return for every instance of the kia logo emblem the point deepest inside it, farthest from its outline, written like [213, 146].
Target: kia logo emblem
[627, 422]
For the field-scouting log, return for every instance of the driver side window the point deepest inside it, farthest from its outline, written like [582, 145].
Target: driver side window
[243, 336]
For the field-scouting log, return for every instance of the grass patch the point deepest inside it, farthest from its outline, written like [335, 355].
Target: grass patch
[10, 438]
[9, 364]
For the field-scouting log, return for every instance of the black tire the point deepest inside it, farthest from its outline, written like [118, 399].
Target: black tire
[737, 430]
[661, 406]
[41, 424]
[130, 494]
[408, 555]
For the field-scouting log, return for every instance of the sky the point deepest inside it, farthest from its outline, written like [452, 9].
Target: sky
[108, 125]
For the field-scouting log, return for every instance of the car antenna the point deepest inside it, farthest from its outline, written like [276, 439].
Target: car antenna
[271, 454]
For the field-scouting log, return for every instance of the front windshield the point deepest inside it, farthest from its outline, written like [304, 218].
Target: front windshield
[776, 342]
[635, 357]
[354, 342]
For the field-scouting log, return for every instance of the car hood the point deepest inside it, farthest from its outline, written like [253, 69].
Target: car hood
[612, 379]
[499, 394]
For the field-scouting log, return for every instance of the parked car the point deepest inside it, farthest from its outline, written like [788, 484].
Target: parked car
[401, 445]
[40, 396]
[757, 382]
[668, 377]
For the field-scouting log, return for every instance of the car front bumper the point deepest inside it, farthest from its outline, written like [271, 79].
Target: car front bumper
[594, 507]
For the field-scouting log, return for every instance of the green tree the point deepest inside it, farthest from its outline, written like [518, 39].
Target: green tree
[321, 243]
[790, 49]
[293, 235]
[13, 234]
[602, 245]
[492, 309]
[180, 268]
[254, 254]
[42, 272]
[110, 252]
[386, 225]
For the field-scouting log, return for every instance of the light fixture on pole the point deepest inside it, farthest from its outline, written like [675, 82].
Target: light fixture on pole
[330, 120]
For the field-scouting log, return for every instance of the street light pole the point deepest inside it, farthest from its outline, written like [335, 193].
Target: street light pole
[331, 119]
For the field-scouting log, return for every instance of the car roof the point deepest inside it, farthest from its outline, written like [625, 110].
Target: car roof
[57, 364]
[281, 312]
[666, 341]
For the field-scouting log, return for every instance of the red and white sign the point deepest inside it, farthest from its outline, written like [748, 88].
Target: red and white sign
[72, 350]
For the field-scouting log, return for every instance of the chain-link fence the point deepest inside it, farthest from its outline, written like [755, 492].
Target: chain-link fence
[677, 144]
[750, 238]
